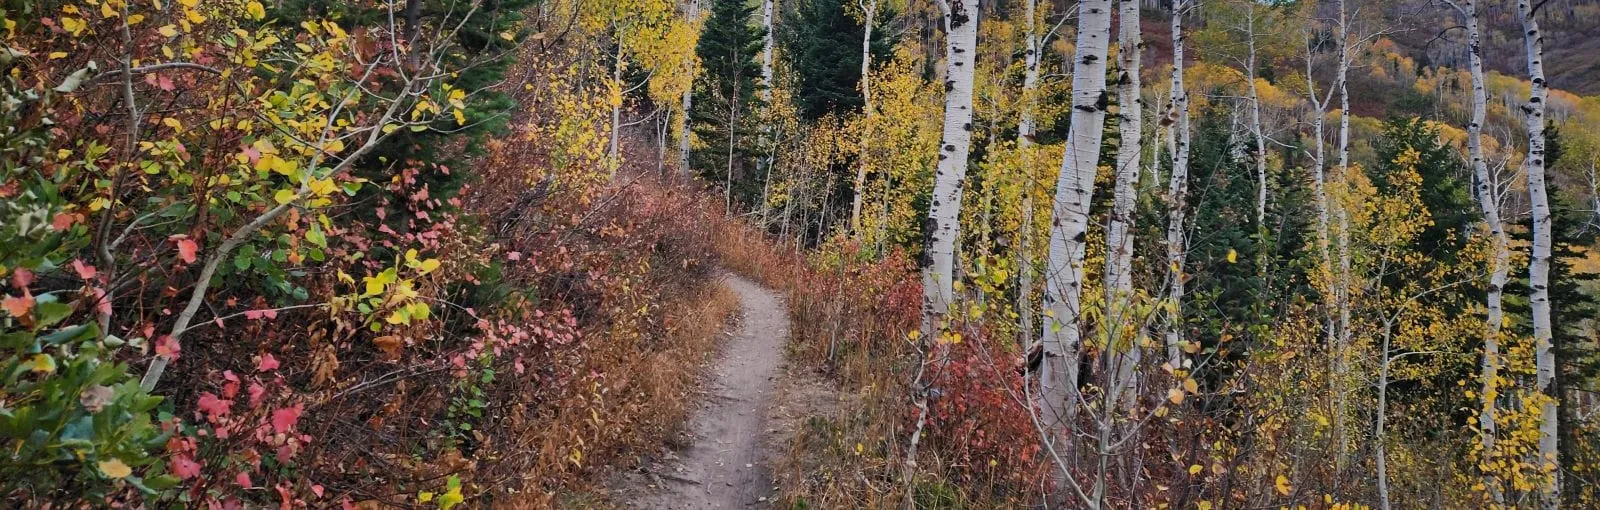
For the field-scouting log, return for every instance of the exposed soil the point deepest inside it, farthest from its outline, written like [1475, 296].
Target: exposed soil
[725, 463]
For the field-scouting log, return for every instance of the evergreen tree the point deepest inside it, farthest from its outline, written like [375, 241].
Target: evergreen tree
[825, 42]
[725, 99]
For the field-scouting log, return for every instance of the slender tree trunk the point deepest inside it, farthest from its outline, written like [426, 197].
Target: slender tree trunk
[1177, 194]
[1343, 283]
[1381, 456]
[1539, 264]
[943, 226]
[1025, 134]
[1062, 338]
[869, 8]
[1500, 254]
[688, 103]
[616, 108]
[1119, 239]
[1256, 130]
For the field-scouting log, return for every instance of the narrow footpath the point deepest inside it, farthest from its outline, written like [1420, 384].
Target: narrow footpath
[724, 465]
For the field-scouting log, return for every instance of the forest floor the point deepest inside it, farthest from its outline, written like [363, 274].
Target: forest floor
[750, 406]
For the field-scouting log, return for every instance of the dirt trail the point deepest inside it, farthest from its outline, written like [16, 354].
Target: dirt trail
[724, 465]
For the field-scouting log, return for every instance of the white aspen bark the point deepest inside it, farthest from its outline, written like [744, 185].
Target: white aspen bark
[1539, 264]
[944, 213]
[1062, 338]
[766, 50]
[1119, 241]
[688, 103]
[1343, 281]
[869, 9]
[1500, 254]
[1025, 140]
[1177, 193]
[1255, 125]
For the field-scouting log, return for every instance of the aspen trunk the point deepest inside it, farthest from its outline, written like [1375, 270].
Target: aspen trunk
[1343, 277]
[1539, 264]
[1119, 241]
[1500, 255]
[869, 8]
[1025, 134]
[1062, 338]
[1255, 127]
[943, 226]
[688, 103]
[1177, 194]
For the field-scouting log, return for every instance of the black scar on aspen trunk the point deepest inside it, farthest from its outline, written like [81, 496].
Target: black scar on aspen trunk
[966, 127]
[1103, 101]
[949, 85]
[949, 147]
[1090, 59]
[958, 14]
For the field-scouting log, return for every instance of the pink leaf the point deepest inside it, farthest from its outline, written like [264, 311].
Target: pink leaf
[85, 271]
[515, 255]
[167, 347]
[243, 480]
[256, 315]
[268, 363]
[22, 278]
[316, 489]
[187, 250]
[185, 467]
[283, 420]
[256, 391]
[62, 221]
[213, 406]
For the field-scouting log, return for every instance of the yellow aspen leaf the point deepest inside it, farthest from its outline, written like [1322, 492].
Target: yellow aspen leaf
[73, 26]
[1195, 469]
[429, 266]
[461, 119]
[1175, 396]
[135, 19]
[1282, 485]
[1233, 256]
[172, 123]
[322, 187]
[194, 16]
[424, 497]
[257, 12]
[284, 196]
[107, 11]
[1190, 385]
[58, 55]
[507, 36]
[42, 363]
[189, 3]
[115, 469]
[398, 317]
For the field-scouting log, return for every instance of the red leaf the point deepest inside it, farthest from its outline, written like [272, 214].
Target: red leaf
[213, 406]
[22, 278]
[283, 420]
[187, 250]
[185, 467]
[256, 315]
[85, 271]
[62, 221]
[316, 489]
[268, 363]
[256, 391]
[243, 479]
[17, 306]
[167, 347]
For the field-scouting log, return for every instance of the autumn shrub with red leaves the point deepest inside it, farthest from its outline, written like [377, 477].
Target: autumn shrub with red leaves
[854, 311]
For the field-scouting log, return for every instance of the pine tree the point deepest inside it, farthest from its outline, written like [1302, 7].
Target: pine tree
[725, 97]
[825, 42]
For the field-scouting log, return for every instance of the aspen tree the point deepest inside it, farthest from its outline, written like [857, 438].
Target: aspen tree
[1026, 130]
[1119, 240]
[1539, 264]
[869, 16]
[943, 227]
[688, 104]
[1499, 257]
[1177, 190]
[1062, 338]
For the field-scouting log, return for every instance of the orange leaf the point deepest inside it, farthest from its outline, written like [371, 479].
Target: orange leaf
[17, 306]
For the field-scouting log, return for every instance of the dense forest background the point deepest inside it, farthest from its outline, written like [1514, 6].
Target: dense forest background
[1046, 253]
